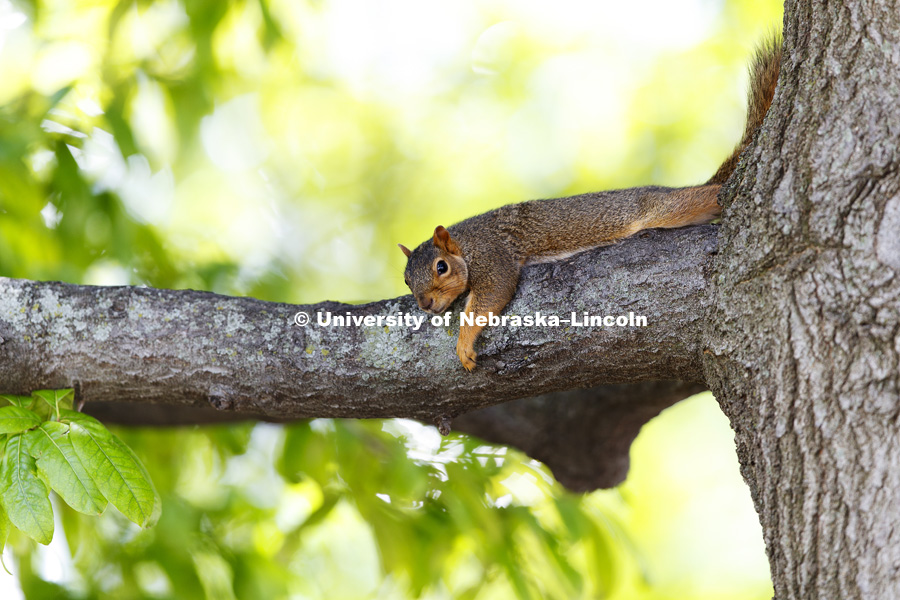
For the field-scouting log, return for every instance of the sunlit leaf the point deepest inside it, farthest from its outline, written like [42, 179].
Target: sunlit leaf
[231, 439]
[21, 401]
[117, 471]
[54, 98]
[518, 579]
[24, 495]
[272, 29]
[56, 399]
[307, 453]
[321, 513]
[14, 419]
[57, 460]
[4, 527]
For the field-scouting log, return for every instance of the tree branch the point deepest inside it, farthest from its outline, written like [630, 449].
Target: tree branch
[128, 344]
[583, 436]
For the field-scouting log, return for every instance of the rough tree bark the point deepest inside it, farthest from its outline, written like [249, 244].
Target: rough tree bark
[794, 324]
[200, 349]
[804, 334]
[247, 358]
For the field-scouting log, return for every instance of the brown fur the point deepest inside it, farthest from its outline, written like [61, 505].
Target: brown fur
[688, 206]
[485, 253]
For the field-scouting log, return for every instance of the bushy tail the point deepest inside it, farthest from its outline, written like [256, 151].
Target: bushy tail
[763, 77]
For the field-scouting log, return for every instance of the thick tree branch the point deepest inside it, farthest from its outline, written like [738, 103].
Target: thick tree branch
[583, 435]
[200, 349]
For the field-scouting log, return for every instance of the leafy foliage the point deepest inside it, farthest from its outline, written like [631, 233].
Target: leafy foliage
[61, 466]
[444, 505]
[14, 419]
[24, 495]
[47, 446]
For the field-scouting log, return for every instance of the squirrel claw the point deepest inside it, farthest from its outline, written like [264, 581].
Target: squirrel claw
[466, 357]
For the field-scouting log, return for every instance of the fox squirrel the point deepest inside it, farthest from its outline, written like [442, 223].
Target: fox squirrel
[485, 253]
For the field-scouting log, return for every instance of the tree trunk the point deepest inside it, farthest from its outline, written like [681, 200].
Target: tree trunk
[804, 335]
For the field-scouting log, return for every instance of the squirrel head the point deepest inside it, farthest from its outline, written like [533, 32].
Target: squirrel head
[436, 272]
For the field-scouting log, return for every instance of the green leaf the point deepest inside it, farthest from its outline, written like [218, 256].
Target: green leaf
[114, 467]
[63, 469]
[14, 419]
[4, 528]
[24, 495]
[57, 399]
[20, 401]
[58, 95]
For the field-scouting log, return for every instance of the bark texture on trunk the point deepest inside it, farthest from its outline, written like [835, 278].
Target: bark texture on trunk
[804, 334]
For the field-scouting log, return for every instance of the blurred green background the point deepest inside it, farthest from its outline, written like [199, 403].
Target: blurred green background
[280, 149]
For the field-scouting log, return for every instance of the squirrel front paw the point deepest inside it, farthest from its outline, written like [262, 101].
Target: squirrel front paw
[466, 356]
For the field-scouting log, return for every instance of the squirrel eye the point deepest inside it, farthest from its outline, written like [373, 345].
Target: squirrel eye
[441, 267]
[406, 280]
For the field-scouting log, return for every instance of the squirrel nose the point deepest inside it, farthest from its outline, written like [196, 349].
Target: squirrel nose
[424, 305]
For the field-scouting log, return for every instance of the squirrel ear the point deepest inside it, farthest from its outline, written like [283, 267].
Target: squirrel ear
[406, 250]
[443, 241]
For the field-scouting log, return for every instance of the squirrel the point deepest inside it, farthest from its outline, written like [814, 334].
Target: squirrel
[483, 255]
